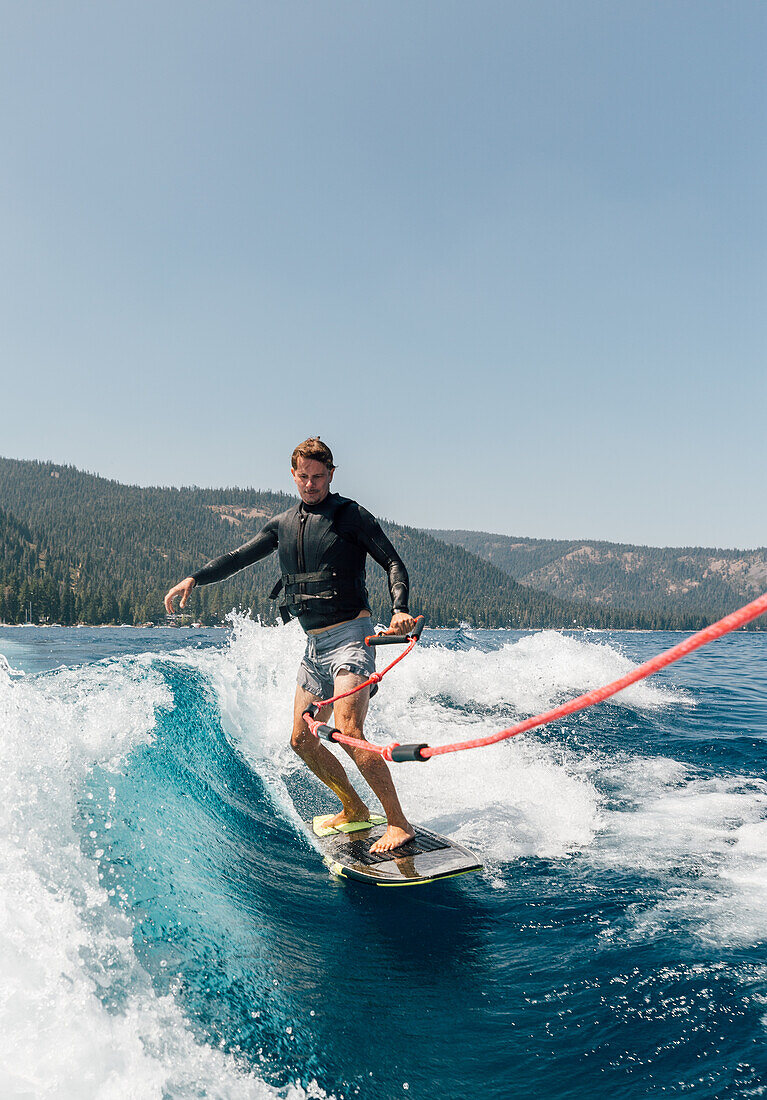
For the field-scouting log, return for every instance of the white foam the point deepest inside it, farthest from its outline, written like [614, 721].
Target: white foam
[62, 944]
[702, 838]
[740, 914]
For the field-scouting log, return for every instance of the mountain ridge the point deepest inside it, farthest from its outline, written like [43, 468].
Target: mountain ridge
[659, 580]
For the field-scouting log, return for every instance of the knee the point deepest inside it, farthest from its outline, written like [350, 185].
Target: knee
[357, 734]
[299, 739]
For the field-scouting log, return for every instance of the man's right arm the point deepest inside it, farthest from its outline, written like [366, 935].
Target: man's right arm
[219, 569]
[259, 547]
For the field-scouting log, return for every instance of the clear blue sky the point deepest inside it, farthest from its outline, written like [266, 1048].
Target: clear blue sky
[507, 258]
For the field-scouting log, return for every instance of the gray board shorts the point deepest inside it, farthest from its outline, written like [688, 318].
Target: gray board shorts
[332, 651]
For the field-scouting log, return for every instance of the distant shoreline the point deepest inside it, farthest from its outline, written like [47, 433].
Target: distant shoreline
[516, 629]
[112, 626]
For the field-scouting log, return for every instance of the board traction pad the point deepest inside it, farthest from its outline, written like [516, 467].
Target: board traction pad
[422, 842]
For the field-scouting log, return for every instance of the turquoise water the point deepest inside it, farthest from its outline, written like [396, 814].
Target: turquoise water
[168, 929]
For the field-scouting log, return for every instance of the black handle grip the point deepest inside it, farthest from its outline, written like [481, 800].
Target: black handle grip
[387, 639]
[326, 732]
[401, 753]
[397, 639]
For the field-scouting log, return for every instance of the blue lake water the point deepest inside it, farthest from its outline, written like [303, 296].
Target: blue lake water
[168, 929]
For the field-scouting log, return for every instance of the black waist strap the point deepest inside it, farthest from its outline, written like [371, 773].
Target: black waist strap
[290, 580]
[305, 578]
[336, 583]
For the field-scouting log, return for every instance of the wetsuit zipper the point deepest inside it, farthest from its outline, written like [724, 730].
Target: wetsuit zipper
[301, 526]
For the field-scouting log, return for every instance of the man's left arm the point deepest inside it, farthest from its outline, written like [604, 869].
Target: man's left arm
[370, 535]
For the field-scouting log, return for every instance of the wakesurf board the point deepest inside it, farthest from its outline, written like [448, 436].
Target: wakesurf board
[428, 857]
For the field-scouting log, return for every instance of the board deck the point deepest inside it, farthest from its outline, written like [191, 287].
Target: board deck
[428, 857]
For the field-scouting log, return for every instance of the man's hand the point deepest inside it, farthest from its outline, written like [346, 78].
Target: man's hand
[401, 623]
[183, 589]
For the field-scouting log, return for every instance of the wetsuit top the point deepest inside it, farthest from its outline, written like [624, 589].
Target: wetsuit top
[322, 548]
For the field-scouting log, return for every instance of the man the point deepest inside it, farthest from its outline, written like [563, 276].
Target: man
[323, 543]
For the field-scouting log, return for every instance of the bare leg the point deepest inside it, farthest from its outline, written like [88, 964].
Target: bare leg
[322, 761]
[350, 718]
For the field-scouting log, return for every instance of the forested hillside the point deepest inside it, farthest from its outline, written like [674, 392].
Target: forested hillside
[31, 575]
[675, 586]
[82, 548]
[75, 547]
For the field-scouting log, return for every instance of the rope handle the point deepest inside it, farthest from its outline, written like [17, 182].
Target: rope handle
[397, 639]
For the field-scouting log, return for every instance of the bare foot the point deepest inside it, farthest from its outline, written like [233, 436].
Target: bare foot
[393, 838]
[360, 813]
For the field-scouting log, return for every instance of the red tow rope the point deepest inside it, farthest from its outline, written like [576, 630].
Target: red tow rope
[399, 753]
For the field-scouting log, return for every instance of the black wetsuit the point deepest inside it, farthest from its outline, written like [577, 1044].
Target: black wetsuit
[322, 548]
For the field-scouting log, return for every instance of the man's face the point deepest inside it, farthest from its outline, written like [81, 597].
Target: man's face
[312, 479]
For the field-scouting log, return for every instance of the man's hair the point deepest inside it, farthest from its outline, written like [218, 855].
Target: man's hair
[314, 449]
